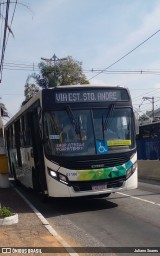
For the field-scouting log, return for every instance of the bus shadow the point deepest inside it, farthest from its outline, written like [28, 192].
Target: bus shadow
[57, 206]
[77, 205]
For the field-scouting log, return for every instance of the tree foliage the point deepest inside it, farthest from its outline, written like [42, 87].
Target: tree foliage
[54, 73]
[145, 116]
[30, 88]
[4, 112]
[62, 72]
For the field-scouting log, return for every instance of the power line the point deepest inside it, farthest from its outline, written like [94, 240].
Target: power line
[126, 54]
[145, 94]
[34, 67]
[143, 89]
[12, 94]
[22, 69]
[127, 72]
[20, 64]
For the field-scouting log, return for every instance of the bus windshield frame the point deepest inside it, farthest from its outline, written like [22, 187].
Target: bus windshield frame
[89, 131]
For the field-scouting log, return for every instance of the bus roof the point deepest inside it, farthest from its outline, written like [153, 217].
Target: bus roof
[38, 95]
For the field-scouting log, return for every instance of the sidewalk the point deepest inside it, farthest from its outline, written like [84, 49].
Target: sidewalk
[30, 231]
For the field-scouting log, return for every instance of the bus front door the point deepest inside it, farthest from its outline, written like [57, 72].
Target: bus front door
[38, 171]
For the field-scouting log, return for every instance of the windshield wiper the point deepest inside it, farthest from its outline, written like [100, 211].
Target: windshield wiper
[108, 119]
[74, 122]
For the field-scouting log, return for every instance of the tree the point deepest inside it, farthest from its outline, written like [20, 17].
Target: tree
[30, 88]
[61, 72]
[53, 73]
[4, 112]
[145, 116]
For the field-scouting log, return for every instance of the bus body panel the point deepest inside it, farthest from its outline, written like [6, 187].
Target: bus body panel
[57, 189]
[132, 182]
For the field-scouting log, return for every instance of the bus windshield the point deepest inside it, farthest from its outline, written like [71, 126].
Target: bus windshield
[77, 132]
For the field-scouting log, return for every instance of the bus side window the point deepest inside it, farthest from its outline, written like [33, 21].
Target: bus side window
[11, 137]
[17, 142]
[22, 131]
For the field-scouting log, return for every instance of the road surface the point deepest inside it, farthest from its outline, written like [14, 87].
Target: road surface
[126, 219]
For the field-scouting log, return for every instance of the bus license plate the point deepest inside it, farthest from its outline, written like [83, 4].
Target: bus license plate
[99, 187]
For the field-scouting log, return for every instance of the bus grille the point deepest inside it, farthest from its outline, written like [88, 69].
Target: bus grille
[80, 186]
[98, 163]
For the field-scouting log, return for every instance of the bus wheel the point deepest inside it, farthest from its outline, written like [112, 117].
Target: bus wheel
[43, 197]
[14, 172]
[35, 180]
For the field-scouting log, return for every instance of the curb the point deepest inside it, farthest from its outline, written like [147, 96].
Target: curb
[51, 230]
[9, 220]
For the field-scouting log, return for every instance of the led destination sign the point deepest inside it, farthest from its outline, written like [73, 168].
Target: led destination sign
[90, 96]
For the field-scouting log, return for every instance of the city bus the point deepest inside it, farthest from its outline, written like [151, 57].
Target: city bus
[74, 141]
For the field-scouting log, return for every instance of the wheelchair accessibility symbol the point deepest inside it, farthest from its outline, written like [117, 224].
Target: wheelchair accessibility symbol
[102, 147]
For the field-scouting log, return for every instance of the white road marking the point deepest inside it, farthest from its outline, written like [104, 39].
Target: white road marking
[52, 231]
[138, 198]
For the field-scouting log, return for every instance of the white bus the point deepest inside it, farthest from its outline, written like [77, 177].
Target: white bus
[74, 141]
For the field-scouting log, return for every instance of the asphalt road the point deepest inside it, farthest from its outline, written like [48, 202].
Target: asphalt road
[127, 219]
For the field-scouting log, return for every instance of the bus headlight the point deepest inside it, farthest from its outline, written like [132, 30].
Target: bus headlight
[131, 170]
[58, 176]
[52, 173]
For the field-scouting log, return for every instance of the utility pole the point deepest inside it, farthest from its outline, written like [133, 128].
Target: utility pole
[54, 59]
[151, 99]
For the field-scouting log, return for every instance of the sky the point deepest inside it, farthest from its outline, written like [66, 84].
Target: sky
[97, 33]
